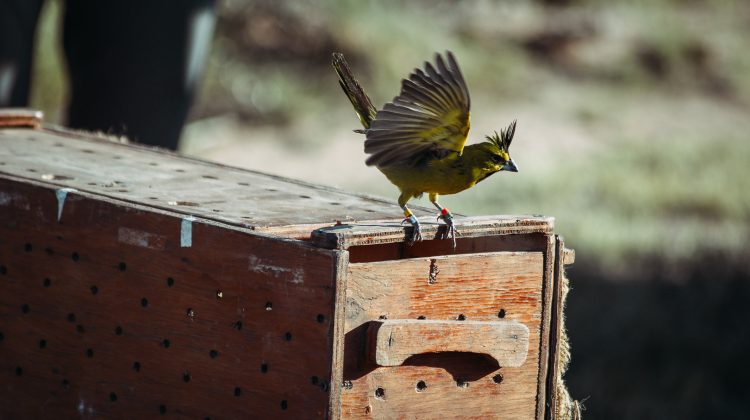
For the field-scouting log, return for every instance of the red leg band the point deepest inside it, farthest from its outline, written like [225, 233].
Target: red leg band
[444, 212]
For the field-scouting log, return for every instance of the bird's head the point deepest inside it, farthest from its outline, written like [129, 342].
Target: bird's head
[496, 148]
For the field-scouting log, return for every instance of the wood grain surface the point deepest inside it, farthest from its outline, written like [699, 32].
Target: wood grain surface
[105, 313]
[20, 118]
[382, 232]
[480, 287]
[168, 181]
[391, 342]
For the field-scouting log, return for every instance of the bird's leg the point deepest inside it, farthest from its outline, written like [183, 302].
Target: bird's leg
[450, 230]
[416, 234]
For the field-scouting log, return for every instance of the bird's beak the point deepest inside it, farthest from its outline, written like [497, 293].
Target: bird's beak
[510, 166]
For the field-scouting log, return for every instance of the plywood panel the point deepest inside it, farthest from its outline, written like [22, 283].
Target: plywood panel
[105, 313]
[481, 287]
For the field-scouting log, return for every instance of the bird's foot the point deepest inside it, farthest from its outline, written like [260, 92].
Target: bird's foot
[450, 230]
[416, 234]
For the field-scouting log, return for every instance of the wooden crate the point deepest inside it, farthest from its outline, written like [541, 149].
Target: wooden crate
[136, 282]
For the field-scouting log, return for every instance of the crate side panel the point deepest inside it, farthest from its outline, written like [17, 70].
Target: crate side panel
[482, 287]
[106, 313]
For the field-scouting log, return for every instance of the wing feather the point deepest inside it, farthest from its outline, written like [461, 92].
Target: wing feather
[429, 117]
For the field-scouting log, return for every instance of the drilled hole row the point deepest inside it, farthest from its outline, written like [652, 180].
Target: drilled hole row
[421, 385]
[186, 377]
[460, 317]
[122, 266]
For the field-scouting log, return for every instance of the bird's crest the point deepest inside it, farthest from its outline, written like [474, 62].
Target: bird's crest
[502, 140]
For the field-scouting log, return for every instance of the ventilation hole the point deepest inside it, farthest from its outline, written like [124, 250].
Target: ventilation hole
[497, 378]
[71, 317]
[314, 380]
[264, 367]
[91, 183]
[271, 189]
[90, 353]
[462, 384]
[421, 317]
[42, 343]
[179, 170]
[94, 290]
[335, 203]
[118, 330]
[166, 343]
[112, 396]
[461, 317]
[219, 294]
[153, 198]
[244, 184]
[31, 170]
[46, 282]
[75, 257]
[25, 308]
[122, 266]
[170, 281]
[89, 151]
[27, 247]
[137, 366]
[421, 386]
[186, 376]
[65, 383]
[162, 409]
[383, 317]
[237, 325]
[304, 196]
[2, 336]
[153, 164]
[284, 405]
[501, 314]
[3, 270]
[19, 371]
[144, 302]
[237, 391]
[380, 393]
[190, 313]
[209, 177]
[320, 318]
[214, 354]
[288, 336]
[269, 306]
[79, 328]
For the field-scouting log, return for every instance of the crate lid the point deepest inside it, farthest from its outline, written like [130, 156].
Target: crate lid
[112, 167]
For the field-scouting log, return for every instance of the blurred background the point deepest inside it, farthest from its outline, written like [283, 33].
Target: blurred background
[633, 132]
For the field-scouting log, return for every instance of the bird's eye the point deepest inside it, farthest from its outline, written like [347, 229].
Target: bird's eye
[498, 159]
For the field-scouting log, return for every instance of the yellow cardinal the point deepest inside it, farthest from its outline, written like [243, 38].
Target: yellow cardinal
[417, 140]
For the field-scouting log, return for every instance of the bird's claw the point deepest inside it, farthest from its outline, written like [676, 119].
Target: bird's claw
[416, 234]
[450, 229]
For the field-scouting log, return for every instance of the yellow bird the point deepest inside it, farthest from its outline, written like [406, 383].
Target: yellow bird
[417, 140]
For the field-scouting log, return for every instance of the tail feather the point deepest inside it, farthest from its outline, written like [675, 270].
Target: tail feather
[359, 99]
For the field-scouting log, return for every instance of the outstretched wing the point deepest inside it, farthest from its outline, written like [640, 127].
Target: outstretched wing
[430, 117]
